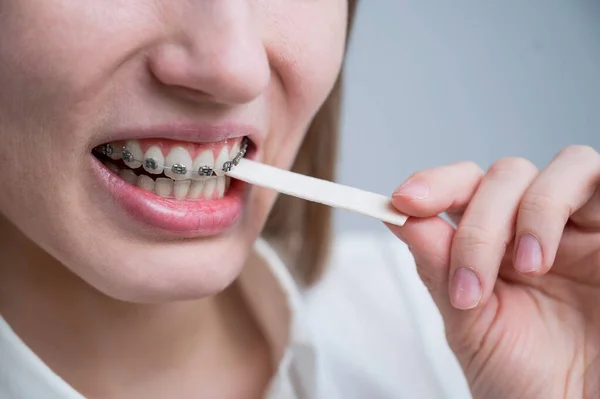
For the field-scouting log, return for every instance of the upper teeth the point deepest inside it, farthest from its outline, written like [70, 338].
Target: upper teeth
[178, 164]
[203, 165]
[154, 160]
[222, 158]
[132, 154]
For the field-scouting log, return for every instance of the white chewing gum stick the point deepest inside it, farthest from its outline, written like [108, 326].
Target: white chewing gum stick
[317, 190]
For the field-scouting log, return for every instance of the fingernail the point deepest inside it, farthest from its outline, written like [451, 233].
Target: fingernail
[416, 190]
[465, 291]
[529, 254]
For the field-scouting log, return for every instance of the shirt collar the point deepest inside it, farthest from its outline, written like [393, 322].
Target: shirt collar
[24, 375]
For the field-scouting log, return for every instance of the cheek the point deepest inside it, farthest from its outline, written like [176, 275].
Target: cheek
[59, 56]
[58, 59]
[62, 51]
[306, 63]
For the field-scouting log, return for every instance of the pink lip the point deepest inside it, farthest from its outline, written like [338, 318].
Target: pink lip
[179, 218]
[174, 217]
[188, 132]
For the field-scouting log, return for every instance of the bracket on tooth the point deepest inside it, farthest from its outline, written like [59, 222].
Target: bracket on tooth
[151, 164]
[105, 149]
[237, 158]
[241, 154]
[205, 171]
[108, 149]
[179, 169]
[126, 155]
[227, 166]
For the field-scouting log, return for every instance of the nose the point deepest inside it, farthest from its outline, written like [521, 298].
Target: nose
[213, 50]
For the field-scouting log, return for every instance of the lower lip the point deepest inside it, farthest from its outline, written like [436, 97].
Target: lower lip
[182, 218]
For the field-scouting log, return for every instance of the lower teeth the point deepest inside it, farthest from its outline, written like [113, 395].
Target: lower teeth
[213, 187]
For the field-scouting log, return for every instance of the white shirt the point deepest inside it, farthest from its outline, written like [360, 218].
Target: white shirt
[367, 330]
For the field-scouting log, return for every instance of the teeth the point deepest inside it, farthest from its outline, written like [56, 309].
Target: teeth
[196, 190]
[212, 188]
[181, 189]
[209, 187]
[128, 175]
[154, 160]
[145, 182]
[183, 181]
[112, 167]
[234, 151]
[205, 158]
[163, 187]
[115, 151]
[178, 158]
[221, 159]
[221, 186]
[136, 152]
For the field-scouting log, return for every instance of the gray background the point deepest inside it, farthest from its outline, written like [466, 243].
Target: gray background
[434, 82]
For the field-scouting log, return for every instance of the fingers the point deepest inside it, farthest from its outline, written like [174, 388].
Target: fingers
[425, 195]
[588, 216]
[511, 203]
[485, 231]
[434, 191]
[559, 192]
[430, 242]
[479, 244]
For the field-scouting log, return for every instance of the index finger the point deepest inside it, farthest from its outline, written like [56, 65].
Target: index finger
[433, 191]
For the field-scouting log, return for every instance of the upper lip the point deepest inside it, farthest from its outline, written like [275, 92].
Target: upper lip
[188, 132]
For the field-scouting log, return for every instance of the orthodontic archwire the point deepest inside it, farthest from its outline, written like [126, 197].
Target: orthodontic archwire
[178, 169]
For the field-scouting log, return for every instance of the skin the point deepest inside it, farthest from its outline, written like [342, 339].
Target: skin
[71, 73]
[533, 331]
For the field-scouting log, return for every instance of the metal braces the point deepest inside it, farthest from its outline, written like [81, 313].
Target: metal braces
[178, 169]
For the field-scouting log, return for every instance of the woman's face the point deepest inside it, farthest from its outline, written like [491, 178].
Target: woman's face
[178, 84]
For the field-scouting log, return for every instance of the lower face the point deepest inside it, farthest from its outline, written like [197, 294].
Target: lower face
[117, 117]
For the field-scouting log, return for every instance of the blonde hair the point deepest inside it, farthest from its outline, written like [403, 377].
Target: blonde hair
[298, 229]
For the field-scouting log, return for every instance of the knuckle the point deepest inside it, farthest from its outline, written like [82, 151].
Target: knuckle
[544, 204]
[506, 168]
[421, 174]
[442, 172]
[579, 152]
[472, 234]
[471, 239]
[470, 166]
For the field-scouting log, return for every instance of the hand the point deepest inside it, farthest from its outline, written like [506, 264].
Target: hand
[518, 281]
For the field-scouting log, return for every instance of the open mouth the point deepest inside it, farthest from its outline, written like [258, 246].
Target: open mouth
[171, 169]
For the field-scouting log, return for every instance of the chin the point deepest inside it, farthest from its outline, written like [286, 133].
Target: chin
[163, 272]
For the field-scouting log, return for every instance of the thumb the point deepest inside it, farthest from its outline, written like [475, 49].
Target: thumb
[430, 242]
